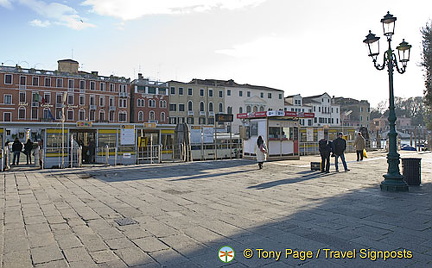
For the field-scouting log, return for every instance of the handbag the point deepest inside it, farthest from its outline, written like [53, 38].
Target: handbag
[263, 148]
[364, 153]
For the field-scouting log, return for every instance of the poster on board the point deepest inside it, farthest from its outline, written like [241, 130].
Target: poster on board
[127, 135]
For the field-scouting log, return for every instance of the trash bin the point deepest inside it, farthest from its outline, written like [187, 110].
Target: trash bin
[411, 168]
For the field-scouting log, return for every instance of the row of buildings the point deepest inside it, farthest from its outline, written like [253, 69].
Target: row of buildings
[31, 95]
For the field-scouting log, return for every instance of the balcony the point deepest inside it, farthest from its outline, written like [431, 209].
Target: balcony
[22, 87]
[112, 108]
[202, 113]
[35, 104]
[191, 113]
[59, 105]
[92, 107]
[123, 94]
[211, 113]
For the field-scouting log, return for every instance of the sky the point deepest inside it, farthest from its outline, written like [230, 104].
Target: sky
[303, 47]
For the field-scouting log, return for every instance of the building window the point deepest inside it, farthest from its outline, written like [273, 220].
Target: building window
[140, 116]
[46, 98]
[152, 116]
[7, 117]
[229, 92]
[180, 91]
[102, 86]
[92, 85]
[111, 116]
[201, 92]
[190, 106]
[151, 103]
[280, 96]
[111, 101]
[101, 115]
[112, 87]
[240, 93]
[23, 80]
[48, 82]
[173, 107]
[82, 84]
[122, 117]
[210, 105]
[262, 95]
[172, 91]
[162, 104]
[82, 100]
[7, 99]
[190, 91]
[70, 115]
[34, 113]
[92, 115]
[22, 97]
[70, 99]
[269, 95]
[202, 107]
[221, 108]
[59, 82]
[122, 103]
[81, 114]
[36, 81]
[229, 110]
[202, 121]
[210, 93]
[220, 94]
[8, 81]
[70, 83]
[240, 110]
[101, 101]
[248, 94]
[162, 117]
[181, 107]
[21, 113]
[248, 109]
[190, 120]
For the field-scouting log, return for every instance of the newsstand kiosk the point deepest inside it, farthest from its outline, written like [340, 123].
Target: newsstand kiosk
[279, 129]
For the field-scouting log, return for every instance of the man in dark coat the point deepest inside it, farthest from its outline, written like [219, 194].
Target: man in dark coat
[16, 149]
[339, 147]
[325, 150]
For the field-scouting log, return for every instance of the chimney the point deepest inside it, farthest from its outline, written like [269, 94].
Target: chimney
[140, 76]
[68, 66]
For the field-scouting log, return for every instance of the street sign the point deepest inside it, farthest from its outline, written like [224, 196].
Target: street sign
[222, 118]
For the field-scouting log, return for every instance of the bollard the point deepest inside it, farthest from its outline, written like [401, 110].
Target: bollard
[107, 155]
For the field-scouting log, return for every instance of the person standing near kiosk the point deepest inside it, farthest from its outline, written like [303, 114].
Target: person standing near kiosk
[261, 152]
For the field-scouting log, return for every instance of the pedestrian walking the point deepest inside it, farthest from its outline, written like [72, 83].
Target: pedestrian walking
[339, 147]
[91, 151]
[16, 149]
[260, 152]
[360, 145]
[28, 147]
[325, 151]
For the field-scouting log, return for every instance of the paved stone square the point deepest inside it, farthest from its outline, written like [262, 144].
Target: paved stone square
[181, 214]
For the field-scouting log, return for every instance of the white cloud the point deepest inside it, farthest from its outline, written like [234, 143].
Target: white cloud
[39, 23]
[258, 48]
[134, 9]
[59, 13]
[6, 3]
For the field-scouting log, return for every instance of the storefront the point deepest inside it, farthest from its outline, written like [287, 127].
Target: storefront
[279, 129]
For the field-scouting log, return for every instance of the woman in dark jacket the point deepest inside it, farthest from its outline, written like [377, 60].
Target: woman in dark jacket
[28, 147]
[16, 149]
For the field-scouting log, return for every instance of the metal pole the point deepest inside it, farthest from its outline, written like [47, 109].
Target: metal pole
[393, 180]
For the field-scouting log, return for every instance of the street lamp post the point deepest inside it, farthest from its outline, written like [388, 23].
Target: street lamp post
[393, 180]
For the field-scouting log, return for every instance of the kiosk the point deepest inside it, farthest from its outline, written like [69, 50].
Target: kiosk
[279, 129]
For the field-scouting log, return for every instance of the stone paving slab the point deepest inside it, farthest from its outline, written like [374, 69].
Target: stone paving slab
[183, 213]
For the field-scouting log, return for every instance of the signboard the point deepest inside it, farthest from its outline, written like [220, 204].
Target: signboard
[275, 113]
[309, 134]
[201, 135]
[320, 134]
[84, 124]
[150, 125]
[127, 135]
[222, 118]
